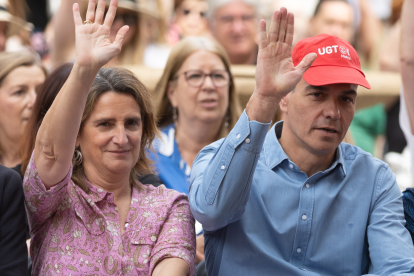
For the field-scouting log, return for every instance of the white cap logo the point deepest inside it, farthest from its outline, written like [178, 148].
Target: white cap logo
[344, 50]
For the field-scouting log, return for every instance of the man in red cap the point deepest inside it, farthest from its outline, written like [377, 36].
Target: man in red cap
[295, 200]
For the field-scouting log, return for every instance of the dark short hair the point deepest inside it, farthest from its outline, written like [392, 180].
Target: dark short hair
[318, 6]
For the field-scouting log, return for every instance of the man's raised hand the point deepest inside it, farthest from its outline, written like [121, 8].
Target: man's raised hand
[275, 73]
[93, 46]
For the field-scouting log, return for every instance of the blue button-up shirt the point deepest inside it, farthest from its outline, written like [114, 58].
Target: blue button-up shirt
[263, 216]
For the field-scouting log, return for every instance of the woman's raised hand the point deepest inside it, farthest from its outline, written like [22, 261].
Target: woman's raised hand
[93, 47]
[275, 73]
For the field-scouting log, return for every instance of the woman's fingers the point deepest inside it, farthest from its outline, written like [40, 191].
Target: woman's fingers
[90, 13]
[100, 11]
[283, 25]
[110, 15]
[290, 29]
[120, 36]
[76, 15]
[274, 27]
[263, 42]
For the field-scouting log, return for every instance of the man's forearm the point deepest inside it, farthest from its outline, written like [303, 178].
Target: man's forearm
[222, 175]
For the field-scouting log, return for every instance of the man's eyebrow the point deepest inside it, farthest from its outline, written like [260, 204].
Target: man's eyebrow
[350, 92]
[319, 88]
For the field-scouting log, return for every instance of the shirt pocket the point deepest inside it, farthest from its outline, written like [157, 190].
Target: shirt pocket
[141, 244]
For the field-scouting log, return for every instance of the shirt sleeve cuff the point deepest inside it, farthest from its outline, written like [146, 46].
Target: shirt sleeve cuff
[250, 135]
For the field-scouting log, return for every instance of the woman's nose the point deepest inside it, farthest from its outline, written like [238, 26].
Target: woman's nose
[32, 96]
[120, 136]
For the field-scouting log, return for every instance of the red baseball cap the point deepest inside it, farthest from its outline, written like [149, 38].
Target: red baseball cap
[337, 61]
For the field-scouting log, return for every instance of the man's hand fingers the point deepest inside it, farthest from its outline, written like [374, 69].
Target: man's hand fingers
[100, 11]
[90, 13]
[76, 15]
[274, 27]
[283, 25]
[263, 42]
[306, 63]
[290, 29]
[110, 15]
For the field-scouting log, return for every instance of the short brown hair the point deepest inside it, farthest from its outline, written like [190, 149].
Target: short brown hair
[122, 81]
[179, 54]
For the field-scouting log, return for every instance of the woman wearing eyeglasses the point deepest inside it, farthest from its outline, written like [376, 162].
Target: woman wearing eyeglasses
[197, 105]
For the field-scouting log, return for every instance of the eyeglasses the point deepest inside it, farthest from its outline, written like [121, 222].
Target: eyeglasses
[196, 78]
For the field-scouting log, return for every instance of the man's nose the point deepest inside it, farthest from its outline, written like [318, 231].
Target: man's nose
[238, 25]
[331, 110]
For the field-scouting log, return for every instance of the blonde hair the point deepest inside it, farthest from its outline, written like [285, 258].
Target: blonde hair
[122, 81]
[179, 54]
[11, 61]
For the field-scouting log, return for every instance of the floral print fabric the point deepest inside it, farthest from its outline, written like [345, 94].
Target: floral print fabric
[75, 233]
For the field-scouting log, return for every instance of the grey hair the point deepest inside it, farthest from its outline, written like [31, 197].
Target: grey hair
[213, 5]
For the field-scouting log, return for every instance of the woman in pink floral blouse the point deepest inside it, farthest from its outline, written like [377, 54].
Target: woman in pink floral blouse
[88, 213]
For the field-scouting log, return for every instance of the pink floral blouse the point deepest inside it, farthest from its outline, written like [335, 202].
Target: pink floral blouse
[75, 233]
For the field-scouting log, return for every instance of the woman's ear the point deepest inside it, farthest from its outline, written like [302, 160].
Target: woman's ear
[171, 93]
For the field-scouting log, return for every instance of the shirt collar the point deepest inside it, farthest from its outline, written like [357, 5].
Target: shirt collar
[274, 153]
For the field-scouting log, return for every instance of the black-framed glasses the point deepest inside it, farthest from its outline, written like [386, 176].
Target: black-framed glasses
[196, 78]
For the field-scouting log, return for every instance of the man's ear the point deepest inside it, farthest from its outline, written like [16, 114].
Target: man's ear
[171, 94]
[283, 104]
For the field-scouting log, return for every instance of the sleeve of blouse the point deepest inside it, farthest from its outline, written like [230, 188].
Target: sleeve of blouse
[41, 204]
[177, 236]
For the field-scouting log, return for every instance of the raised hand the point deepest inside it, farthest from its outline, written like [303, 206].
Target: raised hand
[275, 73]
[93, 46]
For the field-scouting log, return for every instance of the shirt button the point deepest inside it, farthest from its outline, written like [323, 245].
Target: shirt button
[247, 141]
[298, 250]
[291, 166]
[223, 167]
[238, 136]
[304, 217]
[307, 186]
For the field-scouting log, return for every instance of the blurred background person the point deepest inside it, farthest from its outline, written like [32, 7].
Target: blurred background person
[12, 26]
[333, 17]
[197, 105]
[143, 44]
[20, 75]
[190, 19]
[13, 251]
[234, 24]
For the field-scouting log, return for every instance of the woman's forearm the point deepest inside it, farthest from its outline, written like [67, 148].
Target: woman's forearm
[55, 141]
[171, 267]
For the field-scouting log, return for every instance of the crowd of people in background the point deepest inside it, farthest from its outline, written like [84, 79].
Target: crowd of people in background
[100, 175]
